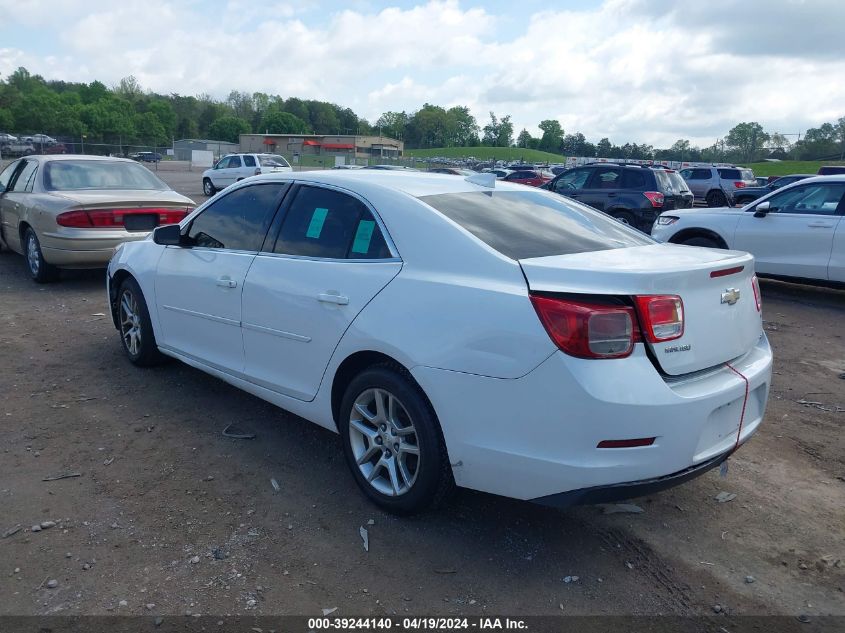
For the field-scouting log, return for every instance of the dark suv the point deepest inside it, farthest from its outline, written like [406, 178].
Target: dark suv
[632, 194]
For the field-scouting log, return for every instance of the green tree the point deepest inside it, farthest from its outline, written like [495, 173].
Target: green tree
[283, 123]
[229, 129]
[150, 131]
[393, 124]
[552, 138]
[524, 139]
[747, 139]
[7, 121]
[465, 127]
[604, 148]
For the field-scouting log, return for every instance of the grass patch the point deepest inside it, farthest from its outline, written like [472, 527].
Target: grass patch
[487, 153]
[786, 167]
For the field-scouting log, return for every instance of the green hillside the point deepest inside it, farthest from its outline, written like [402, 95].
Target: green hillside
[487, 153]
[786, 167]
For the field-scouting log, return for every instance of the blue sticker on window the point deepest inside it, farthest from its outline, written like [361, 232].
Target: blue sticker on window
[363, 235]
[316, 225]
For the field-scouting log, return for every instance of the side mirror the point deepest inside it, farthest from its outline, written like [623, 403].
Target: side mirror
[169, 235]
[762, 209]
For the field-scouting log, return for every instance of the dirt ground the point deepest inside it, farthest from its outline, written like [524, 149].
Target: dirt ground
[168, 516]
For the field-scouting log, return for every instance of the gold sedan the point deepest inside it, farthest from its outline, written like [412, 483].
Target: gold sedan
[72, 211]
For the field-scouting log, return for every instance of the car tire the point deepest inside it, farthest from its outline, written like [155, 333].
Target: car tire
[135, 327]
[717, 199]
[40, 271]
[700, 240]
[399, 461]
[208, 187]
[624, 217]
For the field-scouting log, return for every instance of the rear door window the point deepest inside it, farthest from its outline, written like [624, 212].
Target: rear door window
[249, 161]
[329, 224]
[526, 224]
[634, 179]
[25, 178]
[238, 220]
[6, 175]
[606, 178]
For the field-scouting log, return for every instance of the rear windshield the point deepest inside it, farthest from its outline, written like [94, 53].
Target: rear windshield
[678, 183]
[272, 160]
[526, 224]
[72, 175]
[663, 181]
[747, 174]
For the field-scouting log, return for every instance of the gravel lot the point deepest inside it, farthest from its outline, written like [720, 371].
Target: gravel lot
[167, 516]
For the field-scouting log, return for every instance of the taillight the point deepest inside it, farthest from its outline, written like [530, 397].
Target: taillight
[588, 330]
[661, 317]
[258, 171]
[114, 218]
[758, 298]
[739, 184]
[655, 197]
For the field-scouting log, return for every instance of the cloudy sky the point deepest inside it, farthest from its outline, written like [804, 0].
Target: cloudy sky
[633, 70]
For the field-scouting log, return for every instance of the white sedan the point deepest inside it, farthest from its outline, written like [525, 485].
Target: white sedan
[796, 232]
[458, 331]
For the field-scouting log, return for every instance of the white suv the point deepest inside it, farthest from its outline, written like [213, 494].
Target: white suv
[795, 232]
[234, 167]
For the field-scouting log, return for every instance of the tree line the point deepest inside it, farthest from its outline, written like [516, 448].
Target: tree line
[128, 114]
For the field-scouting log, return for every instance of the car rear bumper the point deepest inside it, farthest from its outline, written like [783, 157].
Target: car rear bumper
[83, 248]
[538, 436]
[629, 489]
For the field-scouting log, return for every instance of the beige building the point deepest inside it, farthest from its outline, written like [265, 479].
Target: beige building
[348, 145]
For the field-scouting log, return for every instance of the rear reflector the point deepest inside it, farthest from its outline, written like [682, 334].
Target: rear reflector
[643, 441]
[113, 218]
[588, 330]
[727, 271]
[655, 197]
[661, 317]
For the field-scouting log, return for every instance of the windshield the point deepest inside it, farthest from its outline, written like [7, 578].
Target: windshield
[522, 225]
[678, 183]
[272, 160]
[71, 175]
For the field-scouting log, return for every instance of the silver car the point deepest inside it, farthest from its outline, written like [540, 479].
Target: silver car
[72, 211]
[717, 185]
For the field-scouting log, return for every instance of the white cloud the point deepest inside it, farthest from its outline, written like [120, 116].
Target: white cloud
[628, 69]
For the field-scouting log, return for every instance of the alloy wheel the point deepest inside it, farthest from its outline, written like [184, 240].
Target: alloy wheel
[384, 442]
[130, 322]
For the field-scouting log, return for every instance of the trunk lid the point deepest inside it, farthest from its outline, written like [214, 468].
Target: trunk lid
[123, 199]
[715, 330]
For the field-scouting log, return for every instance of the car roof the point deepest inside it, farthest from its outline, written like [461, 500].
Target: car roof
[48, 158]
[414, 183]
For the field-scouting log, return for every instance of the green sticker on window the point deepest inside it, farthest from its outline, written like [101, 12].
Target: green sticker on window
[363, 236]
[317, 221]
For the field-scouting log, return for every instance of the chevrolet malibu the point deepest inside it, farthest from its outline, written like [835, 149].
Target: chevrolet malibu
[458, 331]
[71, 211]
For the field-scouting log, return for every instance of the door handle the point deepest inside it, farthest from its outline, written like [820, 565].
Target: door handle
[226, 282]
[820, 225]
[326, 297]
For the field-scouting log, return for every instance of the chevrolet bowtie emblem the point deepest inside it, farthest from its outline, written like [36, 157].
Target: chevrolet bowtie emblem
[730, 296]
